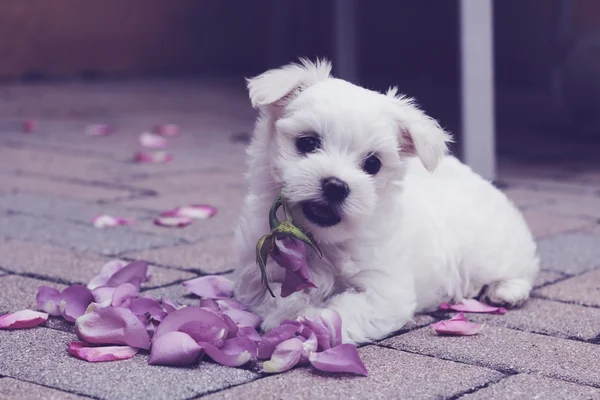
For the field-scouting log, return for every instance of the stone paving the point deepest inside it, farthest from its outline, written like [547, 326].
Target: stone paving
[53, 181]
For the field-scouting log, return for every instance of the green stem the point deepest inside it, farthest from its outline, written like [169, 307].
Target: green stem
[273, 220]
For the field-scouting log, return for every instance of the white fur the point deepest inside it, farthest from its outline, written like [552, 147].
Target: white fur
[422, 231]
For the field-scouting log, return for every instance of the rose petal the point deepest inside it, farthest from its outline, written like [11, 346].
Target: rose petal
[243, 318]
[123, 294]
[89, 353]
[458, 325]
[202, 332]
[174, 348]
[134, 273]
[48, 300]
[173, 222]
[30, 126]
[285, 357]
[112, 325]
[196, 211]
[22, 319]
[319, 327]
[74, 300]
[231, 326]
[103, 296]
[176, 319]
[309, 346]
[210, 303]
[108, 221]
[210, 286]
[333, 322]
[342, 358]
[152, 141]
[167, 129]
[157, 157]
[249, 332]
[145, 305]
[224, 304]
[168, 305]
[99, 130]
[274, 337]
[291, 255]
[106, 272]
[473, 306]
[234, 352]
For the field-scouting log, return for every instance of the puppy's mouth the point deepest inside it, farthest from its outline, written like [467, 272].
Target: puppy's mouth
[321, 214]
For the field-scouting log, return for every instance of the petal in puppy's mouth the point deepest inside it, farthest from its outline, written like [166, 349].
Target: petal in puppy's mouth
[321, 214]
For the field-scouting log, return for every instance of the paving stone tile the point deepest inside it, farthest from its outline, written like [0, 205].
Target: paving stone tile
[550, 318]
[18, 292]
[195, 181]
[30, 184]
[583, 289]
[526, 386]
[581, 206]
[13, 389]
[570, 253]
[509, 350]
[79, 237]
[209, 256]
[69, 266]
[198, 230]
[543, 223]
[527, 198]
[546, 277]
[418, 377]
[39, 355]
[60, 208]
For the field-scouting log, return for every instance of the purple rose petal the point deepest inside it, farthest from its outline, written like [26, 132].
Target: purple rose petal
[124, 294]
[224, 304]
[291, 255]
[342, 358]
[103, 295]
[210, 287]
[152, 140]
[274, 337]
[201, 332]
[195, 211]
[473, 306]
[210, 304]
[91, 353]
[457, 325]
[317, 326]
[108, 270]
[249, 332]
[174, 348]
[231, 326]
[134, 273]
[234, 352]
[243, 318]
[112, 325]
[309, 346]
[74, 300]
[168, 305]
[327, 326]
[178, 318]
[145, 305]
[285, 357]
[48, 300]
[22, 319]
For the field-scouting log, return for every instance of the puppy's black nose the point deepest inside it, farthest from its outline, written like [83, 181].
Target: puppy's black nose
[334, 189]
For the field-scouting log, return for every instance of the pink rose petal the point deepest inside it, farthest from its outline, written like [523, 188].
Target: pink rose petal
[99, 130]
[210, 304]
[156, 157]
[124, 294]
[169, 305]
[291, 255]
[107, 271]
[108, 221]
[74, 300]
[286, 356]
[173, 222]
[30, 126]
[457, 325]
[112, 325]
[178, 318]
[210, 286]
[249, 332]
[202, 332]
[167, 129]
[145, 305]
[22, 319]
[198, 211]
[103, 296]
[243, 318]
[234, 352]
[231, 326]
[274, 337]
[90, 353]
[174, 348]
[327, 327]
[48, 300]
[152, 141]
[342, 358]
[134, 273]
[473, 306]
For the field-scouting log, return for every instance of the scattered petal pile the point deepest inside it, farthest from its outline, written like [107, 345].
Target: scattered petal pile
[113, 322]
[108, 221]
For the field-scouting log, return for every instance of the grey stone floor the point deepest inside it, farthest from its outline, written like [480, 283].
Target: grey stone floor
[53, 181]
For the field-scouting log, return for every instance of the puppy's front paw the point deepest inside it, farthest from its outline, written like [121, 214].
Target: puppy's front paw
[511, 293]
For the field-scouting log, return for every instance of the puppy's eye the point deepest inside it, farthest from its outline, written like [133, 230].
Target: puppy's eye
[372, 165]
[307, 144]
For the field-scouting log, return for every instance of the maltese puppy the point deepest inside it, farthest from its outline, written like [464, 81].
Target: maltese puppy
[403, 227]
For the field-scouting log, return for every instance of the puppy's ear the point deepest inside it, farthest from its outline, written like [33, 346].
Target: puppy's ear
[419, 134]
[275, 88]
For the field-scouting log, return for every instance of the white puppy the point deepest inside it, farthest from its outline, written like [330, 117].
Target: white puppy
[402, 226]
